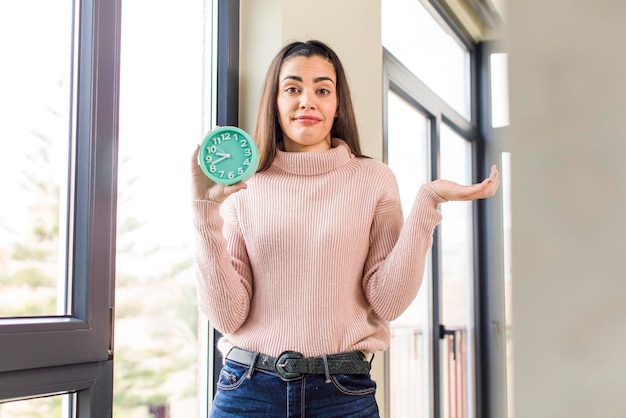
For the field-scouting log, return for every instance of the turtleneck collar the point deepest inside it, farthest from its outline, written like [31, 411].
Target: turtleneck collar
[312, 163]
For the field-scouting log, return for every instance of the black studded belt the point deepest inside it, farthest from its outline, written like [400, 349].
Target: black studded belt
[291, 365]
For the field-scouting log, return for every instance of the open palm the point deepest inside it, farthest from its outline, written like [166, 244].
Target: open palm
[450, 190]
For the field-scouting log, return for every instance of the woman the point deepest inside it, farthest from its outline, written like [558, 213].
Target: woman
[303, 267]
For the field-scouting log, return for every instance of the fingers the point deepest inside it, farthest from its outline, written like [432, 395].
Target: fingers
[487, 188]
[490, 184]
[494, 173]
[234, 188]
[218, 193]
[451, 191]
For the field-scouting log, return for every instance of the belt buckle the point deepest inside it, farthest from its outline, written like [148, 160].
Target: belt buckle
[281, 364]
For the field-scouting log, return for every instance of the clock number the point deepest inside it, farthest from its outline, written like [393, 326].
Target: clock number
[220, 159]
[223, 137]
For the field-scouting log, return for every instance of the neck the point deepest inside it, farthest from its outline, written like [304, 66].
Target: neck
[292, 146]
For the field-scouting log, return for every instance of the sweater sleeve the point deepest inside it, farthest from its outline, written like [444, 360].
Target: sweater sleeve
[395, 266]
[222, 272]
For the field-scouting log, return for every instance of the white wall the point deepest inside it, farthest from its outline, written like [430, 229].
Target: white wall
[568, 142]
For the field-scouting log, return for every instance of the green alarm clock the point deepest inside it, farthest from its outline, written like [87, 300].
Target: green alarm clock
[228, 155]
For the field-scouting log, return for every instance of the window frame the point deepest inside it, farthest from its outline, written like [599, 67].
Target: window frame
[226, 113]
[74, 353]
[491, 247]
[401, 81]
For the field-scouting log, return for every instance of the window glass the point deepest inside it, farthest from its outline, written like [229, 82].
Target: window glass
[409, 353]
[457, 281]
[508, 277]
[35, 107]
[161, 106]
[59, 406]
[498, 63]
[429, 50]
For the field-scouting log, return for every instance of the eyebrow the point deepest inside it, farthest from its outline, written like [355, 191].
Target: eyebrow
[315, 80]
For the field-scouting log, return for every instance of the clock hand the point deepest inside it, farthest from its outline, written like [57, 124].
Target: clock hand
[224, 156]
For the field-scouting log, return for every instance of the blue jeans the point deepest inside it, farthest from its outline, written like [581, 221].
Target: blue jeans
[265, 394]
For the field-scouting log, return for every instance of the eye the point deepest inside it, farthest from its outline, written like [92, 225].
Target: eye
[292, 90]
[323, 91]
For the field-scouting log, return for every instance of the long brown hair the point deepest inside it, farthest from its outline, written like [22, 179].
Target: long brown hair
[268, 133]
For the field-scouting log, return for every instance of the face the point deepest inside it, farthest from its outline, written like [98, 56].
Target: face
[307, 103]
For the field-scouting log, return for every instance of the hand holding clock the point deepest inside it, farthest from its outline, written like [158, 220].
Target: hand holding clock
[450, 190]
[223, 162]
[204, 188]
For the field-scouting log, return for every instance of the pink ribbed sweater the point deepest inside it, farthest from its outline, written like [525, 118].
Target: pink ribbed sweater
[313, 256]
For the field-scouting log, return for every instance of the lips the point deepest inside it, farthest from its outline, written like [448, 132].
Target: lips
[306, 119]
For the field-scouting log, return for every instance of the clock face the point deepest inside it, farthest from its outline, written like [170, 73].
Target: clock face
[228, 155]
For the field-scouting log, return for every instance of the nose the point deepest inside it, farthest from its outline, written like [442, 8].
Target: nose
[307, 100]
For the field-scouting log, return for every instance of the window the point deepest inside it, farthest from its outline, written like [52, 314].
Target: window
[438, 345]
[64, 120]
[59, 289]
[497, 286]
[50, 406]
[429, 49]
[496, 60]
[165, 109]
[35, 108]
[408, 142]
[457, 354]
[508, 278]
[499, 87]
